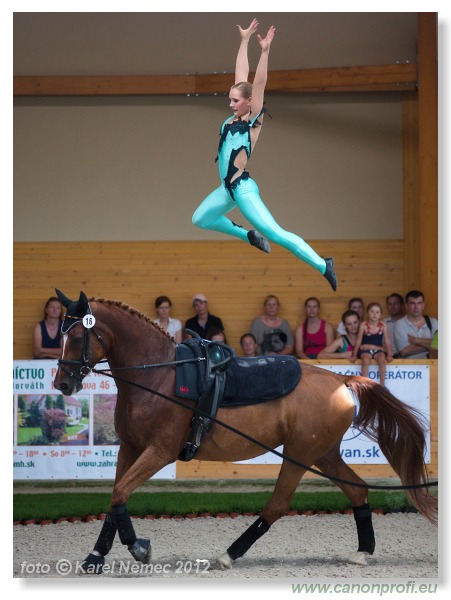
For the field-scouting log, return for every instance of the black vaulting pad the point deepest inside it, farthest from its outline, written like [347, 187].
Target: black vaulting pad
[260, 378]
[248, 379]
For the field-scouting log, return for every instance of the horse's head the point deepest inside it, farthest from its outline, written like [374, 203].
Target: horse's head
[83, 347]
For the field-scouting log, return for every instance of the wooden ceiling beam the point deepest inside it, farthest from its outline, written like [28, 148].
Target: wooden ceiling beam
[93, 85]
[373, 77]
[397, 77]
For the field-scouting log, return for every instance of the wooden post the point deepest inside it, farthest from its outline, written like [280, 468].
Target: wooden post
[428, 158]
[411, 215]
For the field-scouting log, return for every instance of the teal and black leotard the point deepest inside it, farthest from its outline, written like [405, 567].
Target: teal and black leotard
[235, 137]
[243, 192]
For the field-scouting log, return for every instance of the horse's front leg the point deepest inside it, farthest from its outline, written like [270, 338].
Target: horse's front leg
[144, 467]
[117, 520]
[94, 562]
[140, 548]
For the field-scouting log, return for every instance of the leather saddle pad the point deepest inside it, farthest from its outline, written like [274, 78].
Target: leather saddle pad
[249, 380]
[260, 379]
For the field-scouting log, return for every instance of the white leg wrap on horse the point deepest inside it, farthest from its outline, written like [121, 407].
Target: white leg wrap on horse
[224, 561]
[358, 558]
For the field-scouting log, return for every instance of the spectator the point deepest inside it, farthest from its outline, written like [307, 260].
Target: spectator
[172, 326]
[395, 309]
[353, 304]
[433, 348]
[47, 339]
[266, 326]
[202, 320]
[343, 345]
[414, 331]
[315, 333]
[373, 342]
[248, 344]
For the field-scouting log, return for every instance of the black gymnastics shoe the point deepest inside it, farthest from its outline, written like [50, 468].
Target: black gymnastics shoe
[329, 274]
[257, 240]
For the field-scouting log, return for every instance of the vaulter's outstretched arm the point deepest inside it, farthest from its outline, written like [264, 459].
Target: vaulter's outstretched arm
[261, 74]
[242, 61]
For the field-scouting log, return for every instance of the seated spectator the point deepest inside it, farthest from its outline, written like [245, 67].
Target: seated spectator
[414, 331]
[395, 309]
[373, 342]
[433, 348]
[202, 320]
[173, 326]
[47, 339]
[216, 334]
[353, 304]
[264, 327]
[343, 345]
[248, 344]
[314, 334]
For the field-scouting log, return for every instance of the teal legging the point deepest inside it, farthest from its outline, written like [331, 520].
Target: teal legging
[210, 215]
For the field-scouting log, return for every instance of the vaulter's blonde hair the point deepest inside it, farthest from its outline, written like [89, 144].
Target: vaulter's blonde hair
[244, 88]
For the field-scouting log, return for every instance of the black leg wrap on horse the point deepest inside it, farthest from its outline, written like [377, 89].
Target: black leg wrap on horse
[365, 531]
[124, 525]
[249, 537]
[107, 535]
[93, 564]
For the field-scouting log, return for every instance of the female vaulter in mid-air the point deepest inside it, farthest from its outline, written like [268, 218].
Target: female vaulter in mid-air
[239, 134]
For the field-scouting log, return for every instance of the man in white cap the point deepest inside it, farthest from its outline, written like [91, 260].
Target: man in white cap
[203, 320]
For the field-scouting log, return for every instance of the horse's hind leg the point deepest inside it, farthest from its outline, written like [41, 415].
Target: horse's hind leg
[332, 464]
[276, 507]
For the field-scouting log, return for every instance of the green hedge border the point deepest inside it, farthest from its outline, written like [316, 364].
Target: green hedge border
[65, 505]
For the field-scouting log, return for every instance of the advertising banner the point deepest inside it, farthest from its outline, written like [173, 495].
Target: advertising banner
[64, 437]
[59, 437]
[409, 383]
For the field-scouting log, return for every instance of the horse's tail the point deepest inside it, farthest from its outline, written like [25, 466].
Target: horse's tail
[400, 433]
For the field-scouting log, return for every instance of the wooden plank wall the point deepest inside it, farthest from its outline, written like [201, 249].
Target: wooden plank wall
[234, 276]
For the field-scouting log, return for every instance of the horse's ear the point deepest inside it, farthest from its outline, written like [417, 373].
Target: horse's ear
[63, 299]
[83, 304]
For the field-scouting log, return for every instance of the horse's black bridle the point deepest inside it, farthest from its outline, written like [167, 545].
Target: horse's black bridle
[83, 362]
[84, 367]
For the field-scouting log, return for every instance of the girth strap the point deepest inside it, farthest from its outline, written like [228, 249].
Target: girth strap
[217, 356]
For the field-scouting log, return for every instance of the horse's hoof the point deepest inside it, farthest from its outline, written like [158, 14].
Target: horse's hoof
[359, 558]
[141, 550]
[93, 564]
[224, 561]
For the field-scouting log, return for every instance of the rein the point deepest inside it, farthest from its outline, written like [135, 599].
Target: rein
[262, 444]
[84, 366]
[85, 369]
[265, 446]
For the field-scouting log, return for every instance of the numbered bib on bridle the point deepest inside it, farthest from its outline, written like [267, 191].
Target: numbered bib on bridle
[89, 321]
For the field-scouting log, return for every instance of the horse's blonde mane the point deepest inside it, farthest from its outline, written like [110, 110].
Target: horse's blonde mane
[132, 311]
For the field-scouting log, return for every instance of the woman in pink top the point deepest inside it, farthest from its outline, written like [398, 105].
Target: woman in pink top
[314, 334]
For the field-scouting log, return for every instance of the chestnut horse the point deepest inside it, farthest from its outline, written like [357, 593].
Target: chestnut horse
[309, 422]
